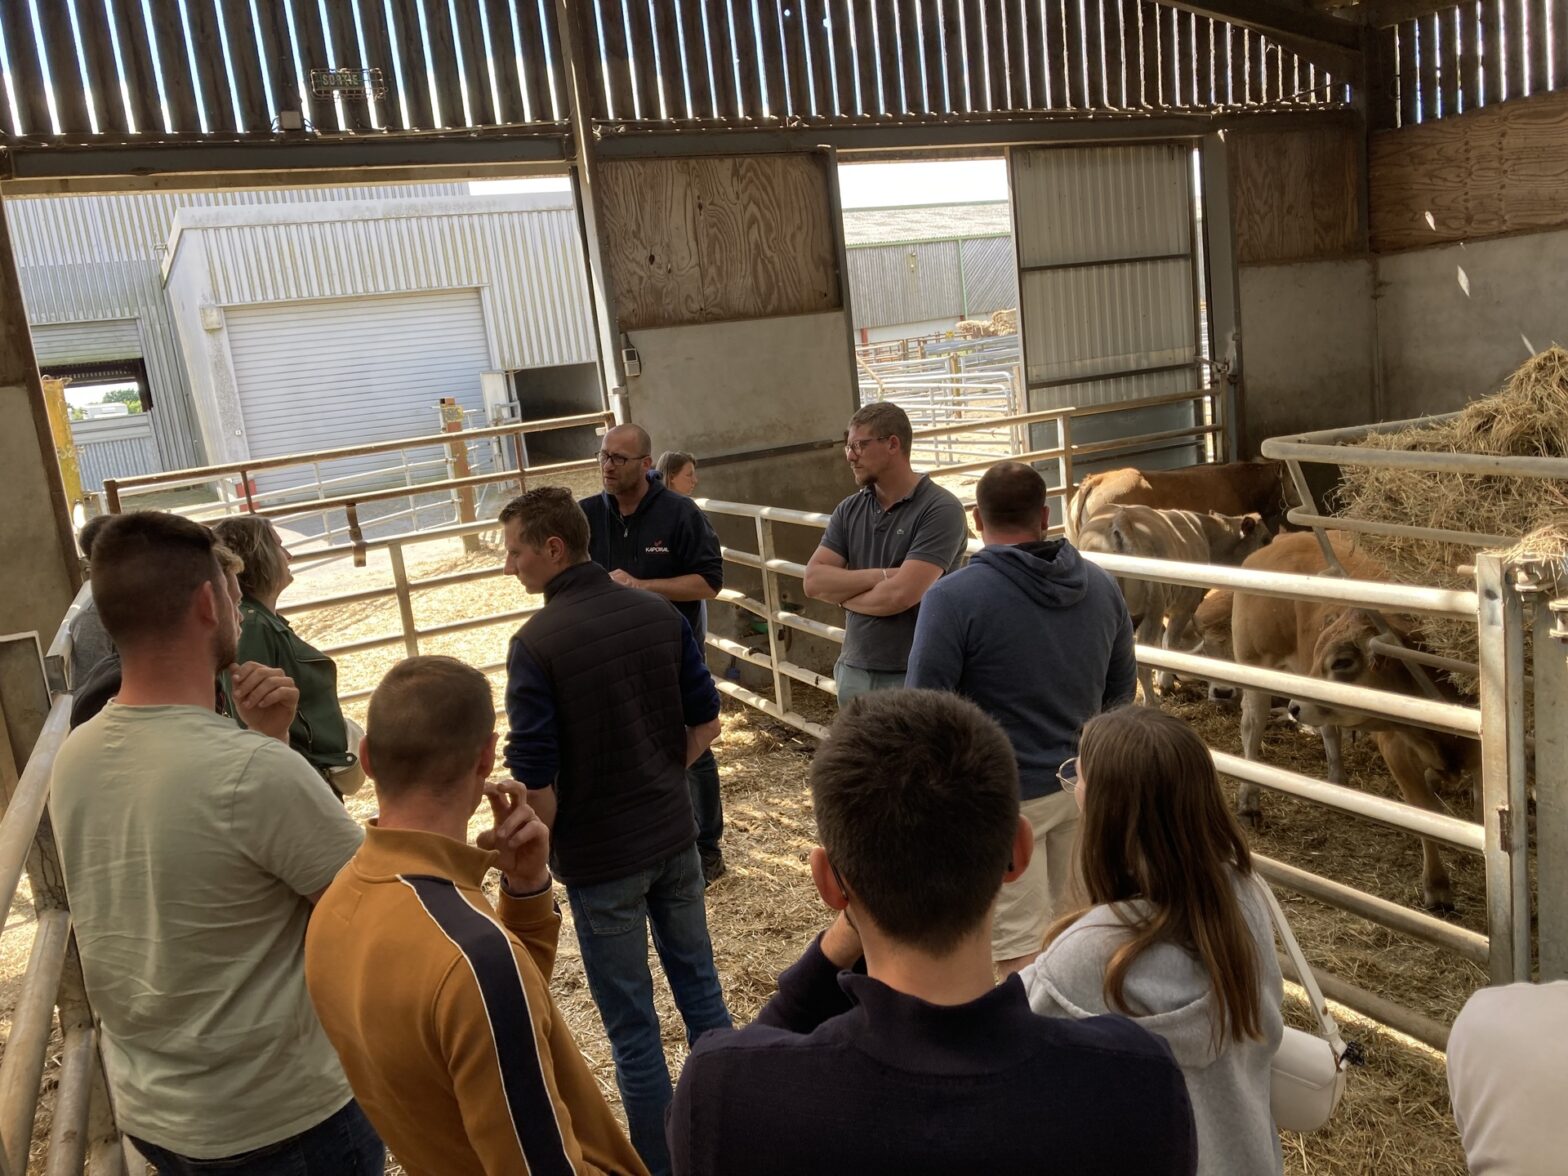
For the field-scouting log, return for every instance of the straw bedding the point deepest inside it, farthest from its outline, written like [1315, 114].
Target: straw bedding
[1527, 417]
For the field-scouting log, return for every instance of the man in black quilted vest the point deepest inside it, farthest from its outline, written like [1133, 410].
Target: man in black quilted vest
[608, 701]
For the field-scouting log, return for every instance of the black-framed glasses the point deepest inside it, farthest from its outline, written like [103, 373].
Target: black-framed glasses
[617, 460]
[1067, 775]
[856, 448]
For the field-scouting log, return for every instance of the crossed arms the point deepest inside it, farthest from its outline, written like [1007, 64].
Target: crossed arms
[872, 592]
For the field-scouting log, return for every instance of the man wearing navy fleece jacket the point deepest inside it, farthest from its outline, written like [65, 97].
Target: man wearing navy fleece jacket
[608, 702]
[1039, 638]
[888, 1048]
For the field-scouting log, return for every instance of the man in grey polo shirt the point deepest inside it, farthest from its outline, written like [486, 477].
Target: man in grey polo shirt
[885, 545]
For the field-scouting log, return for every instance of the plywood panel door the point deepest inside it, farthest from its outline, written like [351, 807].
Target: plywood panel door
[719, 239]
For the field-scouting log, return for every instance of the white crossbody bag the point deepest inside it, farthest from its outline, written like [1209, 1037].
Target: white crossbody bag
[1309, 1070]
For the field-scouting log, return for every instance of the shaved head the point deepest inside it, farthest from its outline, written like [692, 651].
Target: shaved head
[634, 437]
[1011, 497]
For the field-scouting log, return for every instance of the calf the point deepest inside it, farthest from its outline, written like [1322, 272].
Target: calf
[1212, 622]
[1416, 756]
[1162, 612]
[1235, 488]
[1278, 634]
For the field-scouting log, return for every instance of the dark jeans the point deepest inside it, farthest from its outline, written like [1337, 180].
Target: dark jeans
[703, 780]
[612, 921]
[343, 1145]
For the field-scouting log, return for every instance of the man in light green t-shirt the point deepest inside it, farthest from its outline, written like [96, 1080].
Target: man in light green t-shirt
[193, 850]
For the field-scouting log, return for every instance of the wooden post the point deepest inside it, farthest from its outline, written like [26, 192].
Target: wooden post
[452, 422]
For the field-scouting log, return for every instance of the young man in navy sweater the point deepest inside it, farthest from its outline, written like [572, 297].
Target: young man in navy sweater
[888, 1048]
[1038, 638]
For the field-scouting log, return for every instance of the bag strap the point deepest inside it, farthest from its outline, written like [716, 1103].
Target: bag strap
[1304, 973]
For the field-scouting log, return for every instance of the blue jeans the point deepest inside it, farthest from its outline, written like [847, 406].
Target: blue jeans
[612, 930]
[852, 681]
[703, 780]
[343, 1145]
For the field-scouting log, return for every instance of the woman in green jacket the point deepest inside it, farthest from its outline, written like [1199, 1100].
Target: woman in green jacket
[319, 732]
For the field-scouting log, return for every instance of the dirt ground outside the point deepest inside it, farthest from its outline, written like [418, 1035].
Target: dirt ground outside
[1395, 1116]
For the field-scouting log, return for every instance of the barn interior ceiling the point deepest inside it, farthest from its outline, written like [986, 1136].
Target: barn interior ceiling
[411, 82]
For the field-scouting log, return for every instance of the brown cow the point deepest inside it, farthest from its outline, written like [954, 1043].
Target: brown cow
[1416, 756]
[1161, 612]
[1279, 634]
[1236, 488]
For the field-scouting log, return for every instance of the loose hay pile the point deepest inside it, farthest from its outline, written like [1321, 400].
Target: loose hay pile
[1527, 417]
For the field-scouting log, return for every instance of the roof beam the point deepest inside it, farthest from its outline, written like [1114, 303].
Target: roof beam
[1383, 13]
[1321, 38]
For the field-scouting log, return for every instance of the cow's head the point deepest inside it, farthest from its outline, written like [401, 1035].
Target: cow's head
[1212, 620]
[1343, 653]
[1232, 538]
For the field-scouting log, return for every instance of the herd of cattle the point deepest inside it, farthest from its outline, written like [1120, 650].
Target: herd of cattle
[1229, 514]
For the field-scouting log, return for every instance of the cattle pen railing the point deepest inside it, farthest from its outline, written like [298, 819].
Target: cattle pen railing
[1537, 582]
[1495, 606]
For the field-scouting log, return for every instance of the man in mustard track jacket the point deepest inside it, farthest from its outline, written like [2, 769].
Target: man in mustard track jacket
[438, 1004]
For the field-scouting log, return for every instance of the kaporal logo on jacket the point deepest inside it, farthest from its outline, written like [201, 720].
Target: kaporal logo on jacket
[657, 547]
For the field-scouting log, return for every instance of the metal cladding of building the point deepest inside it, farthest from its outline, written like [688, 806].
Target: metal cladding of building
[935, 263]
[309, 326]
[92, 284]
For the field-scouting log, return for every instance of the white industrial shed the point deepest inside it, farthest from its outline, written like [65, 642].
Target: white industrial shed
[90, 274]
[305, 327]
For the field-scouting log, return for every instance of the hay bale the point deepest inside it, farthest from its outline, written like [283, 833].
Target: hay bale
[1527, 417]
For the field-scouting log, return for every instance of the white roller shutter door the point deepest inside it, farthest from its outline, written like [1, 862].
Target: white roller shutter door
[316, 375]
[89, 342]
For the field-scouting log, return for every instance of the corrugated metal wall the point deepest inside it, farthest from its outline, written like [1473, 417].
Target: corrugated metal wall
[86, 258]
[114, 447]
[1108, 302]
[923, 280]
[531, 261]
[107, 339]
[990, 275]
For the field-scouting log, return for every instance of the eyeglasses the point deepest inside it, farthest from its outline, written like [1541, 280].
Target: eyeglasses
[1067, 775]
[856, 448]
[617, 459]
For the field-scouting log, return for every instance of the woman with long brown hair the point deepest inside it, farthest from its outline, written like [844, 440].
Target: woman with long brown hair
[1177, 937]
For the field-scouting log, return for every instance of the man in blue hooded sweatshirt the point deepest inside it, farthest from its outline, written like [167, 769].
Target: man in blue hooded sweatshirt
[1039, 638]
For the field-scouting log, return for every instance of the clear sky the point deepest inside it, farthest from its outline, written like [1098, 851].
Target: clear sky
[862, 185]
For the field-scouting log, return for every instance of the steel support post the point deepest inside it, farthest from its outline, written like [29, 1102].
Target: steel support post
[1551, 785]
[1500, 619]
[405, 601]
[770, 597]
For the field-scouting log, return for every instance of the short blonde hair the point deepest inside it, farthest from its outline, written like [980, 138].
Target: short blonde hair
[262, 569]
[227, 560]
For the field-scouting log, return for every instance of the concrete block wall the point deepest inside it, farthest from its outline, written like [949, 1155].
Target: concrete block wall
[1455, 320]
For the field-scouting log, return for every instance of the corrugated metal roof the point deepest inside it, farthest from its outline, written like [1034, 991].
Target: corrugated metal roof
[930, 222]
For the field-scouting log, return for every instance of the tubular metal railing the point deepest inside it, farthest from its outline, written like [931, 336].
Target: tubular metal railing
[1504, 950]
[1525, 587]
[35, 723]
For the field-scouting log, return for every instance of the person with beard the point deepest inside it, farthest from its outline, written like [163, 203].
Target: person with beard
[647, 535]
[884, 547]
[193, 851]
